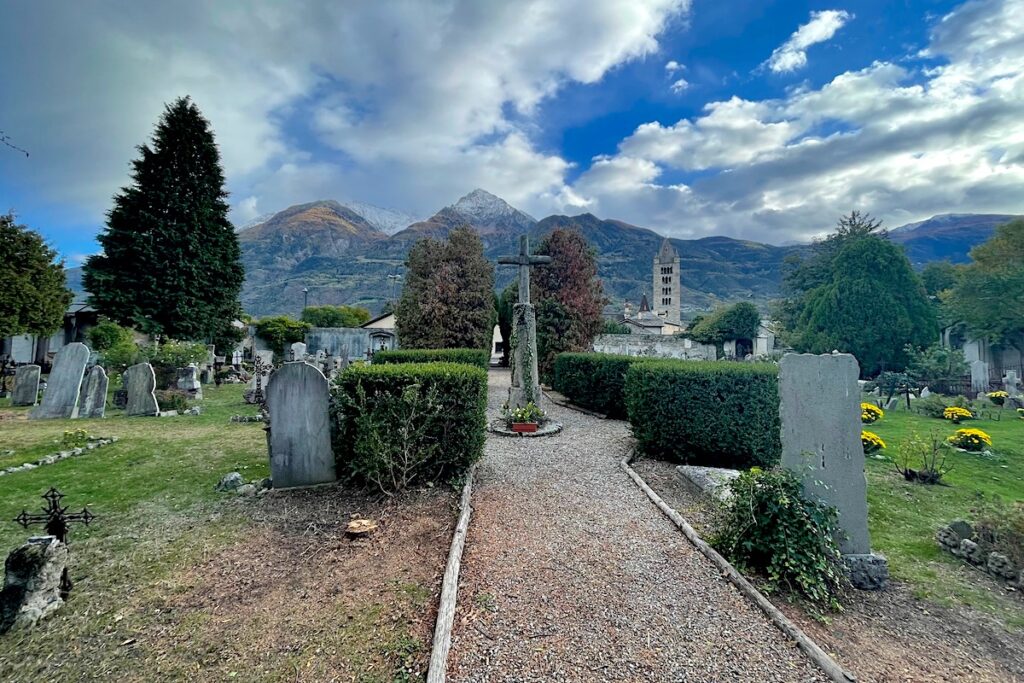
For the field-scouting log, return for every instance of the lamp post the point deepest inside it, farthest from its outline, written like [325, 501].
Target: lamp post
[394, 280]
[305, 298]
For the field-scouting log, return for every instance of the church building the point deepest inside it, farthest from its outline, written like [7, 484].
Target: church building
[666, 284]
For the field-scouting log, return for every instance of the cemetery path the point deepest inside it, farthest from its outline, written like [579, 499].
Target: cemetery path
[571, 574]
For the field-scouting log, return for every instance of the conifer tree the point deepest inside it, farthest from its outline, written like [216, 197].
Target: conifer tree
[448, 297]
[171, 263]
[33, 296]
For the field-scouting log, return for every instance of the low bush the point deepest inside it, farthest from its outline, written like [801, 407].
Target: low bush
[401, 424]
[922, 459]
[973, 440]
[998, 397]
[1003, 532]
[281, 330]
[478, 357]
[871, 442]
[955, 414]
[172, 399]
[870, 413]
[595, 381]
[710, 413]
[769, 525]
[75, 438]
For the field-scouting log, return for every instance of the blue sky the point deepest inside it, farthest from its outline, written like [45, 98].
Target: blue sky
[758, 120]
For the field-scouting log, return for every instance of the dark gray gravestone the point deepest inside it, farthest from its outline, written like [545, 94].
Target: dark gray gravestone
[300, 432]
[60, 400]
[820, 410]
[26, 386]
[140, 383]
[92, 402]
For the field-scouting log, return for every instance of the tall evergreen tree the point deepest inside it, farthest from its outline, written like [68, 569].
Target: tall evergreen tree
[171, 263]
[569, 297]
[448, 297]
[33, 296]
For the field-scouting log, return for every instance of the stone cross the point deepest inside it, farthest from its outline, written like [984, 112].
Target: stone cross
[524, 261]
[1011, 383]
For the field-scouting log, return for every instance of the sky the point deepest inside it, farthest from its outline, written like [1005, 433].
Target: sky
[754, 119]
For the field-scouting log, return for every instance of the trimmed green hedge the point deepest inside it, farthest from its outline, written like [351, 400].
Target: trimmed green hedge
[477, 357]
[594, 381]
[399, 424]
[718, 414]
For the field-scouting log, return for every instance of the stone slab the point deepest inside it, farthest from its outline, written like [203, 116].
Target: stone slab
[60, 399]
[140, 383]
[525, 376]
[712, 481]
[26, 386]
[92, 402]
[820, 411]
[188, 381]
[300, 430]
[32, 577]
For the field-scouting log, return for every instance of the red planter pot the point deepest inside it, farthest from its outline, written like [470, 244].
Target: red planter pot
[524, 427]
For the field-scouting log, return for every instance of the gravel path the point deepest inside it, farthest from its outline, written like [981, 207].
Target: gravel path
[571, 574]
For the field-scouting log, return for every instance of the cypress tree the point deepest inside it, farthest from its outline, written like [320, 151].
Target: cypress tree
[171, 263]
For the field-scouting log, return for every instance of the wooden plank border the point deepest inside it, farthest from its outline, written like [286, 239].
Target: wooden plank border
[438, 667]
[817, 655]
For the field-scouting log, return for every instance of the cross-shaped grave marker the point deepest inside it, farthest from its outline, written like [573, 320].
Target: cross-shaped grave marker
[524, 260]
[56, 519]
[525, 387]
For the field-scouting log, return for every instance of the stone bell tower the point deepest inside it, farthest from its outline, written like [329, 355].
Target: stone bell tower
[665, 295]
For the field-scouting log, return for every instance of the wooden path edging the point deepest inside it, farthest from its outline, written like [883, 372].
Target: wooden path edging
[437, 670]
[831, 668]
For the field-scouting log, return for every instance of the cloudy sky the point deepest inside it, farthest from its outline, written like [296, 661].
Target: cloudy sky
[750, 118]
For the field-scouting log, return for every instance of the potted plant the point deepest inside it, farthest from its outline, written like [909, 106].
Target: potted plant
[525, 419]
[998, 397]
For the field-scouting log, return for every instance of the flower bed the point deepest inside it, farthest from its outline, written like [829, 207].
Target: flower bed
[973, 440]
[870, 413]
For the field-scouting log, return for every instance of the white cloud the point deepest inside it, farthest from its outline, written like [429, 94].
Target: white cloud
[792, 54]
[673, 66]
[898, 142]
[679, 85]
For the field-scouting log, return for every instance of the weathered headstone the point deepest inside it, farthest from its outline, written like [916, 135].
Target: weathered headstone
[32, 582]
[300, 432]
[1011, 383]
[60, 399]
[979, 375]
[821, 426]
[236, 358]
[926, 392]
[188, 381]
[92, 402]
[140, 383]
[298, 351]
[525, 377]
[26, 386]
[260, 378]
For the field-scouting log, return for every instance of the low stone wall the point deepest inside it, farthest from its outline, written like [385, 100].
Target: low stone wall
[654, 346]
[958, 538]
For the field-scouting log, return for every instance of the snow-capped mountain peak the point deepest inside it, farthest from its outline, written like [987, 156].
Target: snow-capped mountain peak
[484, 208]
[387, 221]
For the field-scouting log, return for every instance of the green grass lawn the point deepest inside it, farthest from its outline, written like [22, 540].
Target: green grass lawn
[904, 516]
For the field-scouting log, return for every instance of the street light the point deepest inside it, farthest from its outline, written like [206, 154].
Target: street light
[305, 298]
[394, 279]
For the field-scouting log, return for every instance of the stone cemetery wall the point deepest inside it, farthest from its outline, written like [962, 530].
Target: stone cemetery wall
[333, 340]
[300, 431]
[655, 346]
[60, 400]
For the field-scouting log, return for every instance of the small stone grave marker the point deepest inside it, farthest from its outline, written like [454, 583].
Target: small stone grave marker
[60, 399]
[92, 403]
[26, 386]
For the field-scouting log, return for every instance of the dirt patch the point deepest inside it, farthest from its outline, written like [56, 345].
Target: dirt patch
[882, 636]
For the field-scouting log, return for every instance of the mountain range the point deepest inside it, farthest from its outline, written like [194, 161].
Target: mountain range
[343, 252]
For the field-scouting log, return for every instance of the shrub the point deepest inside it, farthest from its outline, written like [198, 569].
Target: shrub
[935, 405]
[107, 335]
[594, 380]
[399, 424]
[926, 455]
[956, 414]
[721, 414]
[739, 321]
[76, 438]
[481, 358]
[973, 440]
[1003, 532]
[335, 316]
[871, 442]
[998, 397]
[280, 330]
[172, 399]
[171, 355]
[870, 413]
[936, 364]
[768, 524]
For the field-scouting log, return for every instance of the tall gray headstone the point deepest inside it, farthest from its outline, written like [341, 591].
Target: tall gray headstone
[60, 400]
[820, 411]
[26, 386]
[979, 375]
[92, 402]
[300, 432]
[188, 381]
[140, 383]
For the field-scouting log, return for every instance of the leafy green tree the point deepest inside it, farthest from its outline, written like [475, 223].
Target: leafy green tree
[570, 281]
[939, 276]
[171, 264]
[739, 321]
[448, 294]
[614, 327]
[988, 298]
[335, 316]
[33, 294]
[936, 364]
[872, 305]
[108, 334]
[280, 330]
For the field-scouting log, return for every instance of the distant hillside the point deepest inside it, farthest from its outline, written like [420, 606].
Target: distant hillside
[342, 256]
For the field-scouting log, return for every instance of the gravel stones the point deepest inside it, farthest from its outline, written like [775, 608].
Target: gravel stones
[571, 574]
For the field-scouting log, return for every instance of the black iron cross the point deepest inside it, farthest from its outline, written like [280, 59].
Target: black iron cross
[258, 369]
[56, 519]
[524, 261]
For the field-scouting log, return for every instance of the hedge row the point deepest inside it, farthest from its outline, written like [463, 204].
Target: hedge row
[399, 424]
[594, 380]
[718, 414]
[478, 357]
